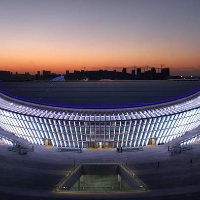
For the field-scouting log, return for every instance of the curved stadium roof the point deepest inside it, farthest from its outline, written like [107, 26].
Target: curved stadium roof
[100, 95]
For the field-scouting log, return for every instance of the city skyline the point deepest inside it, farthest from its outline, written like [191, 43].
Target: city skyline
[84, 75]
[113, 34]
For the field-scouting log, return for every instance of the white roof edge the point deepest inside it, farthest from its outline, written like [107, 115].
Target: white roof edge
[98, 110]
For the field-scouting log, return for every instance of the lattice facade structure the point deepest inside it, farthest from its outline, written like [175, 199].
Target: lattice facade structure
[77, 127]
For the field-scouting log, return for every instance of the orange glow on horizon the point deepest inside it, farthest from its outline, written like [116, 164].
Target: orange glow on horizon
[30, 62]
[57, 59]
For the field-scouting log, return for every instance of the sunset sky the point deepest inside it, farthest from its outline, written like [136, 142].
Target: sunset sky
[61, 35]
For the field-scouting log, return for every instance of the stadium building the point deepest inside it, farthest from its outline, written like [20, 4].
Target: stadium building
[99, 114]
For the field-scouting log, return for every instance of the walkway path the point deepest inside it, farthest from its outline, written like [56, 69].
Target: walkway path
[36, 173]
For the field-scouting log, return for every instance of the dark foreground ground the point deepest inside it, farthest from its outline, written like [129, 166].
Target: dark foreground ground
[33, 176]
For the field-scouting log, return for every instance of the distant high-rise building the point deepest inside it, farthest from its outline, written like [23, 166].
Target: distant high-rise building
[124, 70]
[133, 73]
[138, 71]
[46, 73]
[153, 73]
[165, 72]
[67, 72]
[5, 75]
[38, 75]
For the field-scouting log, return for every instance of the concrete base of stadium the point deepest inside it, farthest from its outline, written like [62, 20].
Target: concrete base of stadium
[35, 174]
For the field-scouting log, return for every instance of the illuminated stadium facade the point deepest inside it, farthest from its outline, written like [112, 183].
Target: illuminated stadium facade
[95, 127]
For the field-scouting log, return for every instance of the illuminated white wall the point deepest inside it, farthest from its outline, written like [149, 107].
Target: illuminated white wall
[75, 128]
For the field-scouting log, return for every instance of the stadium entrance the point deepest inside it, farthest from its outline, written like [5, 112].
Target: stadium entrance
[100, 144]
[48, 142]
[152, 141]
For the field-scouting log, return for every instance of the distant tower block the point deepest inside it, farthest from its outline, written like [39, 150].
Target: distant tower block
[124, 70]
[138, 71]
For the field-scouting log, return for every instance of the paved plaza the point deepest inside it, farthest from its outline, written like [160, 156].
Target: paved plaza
[35, 174]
